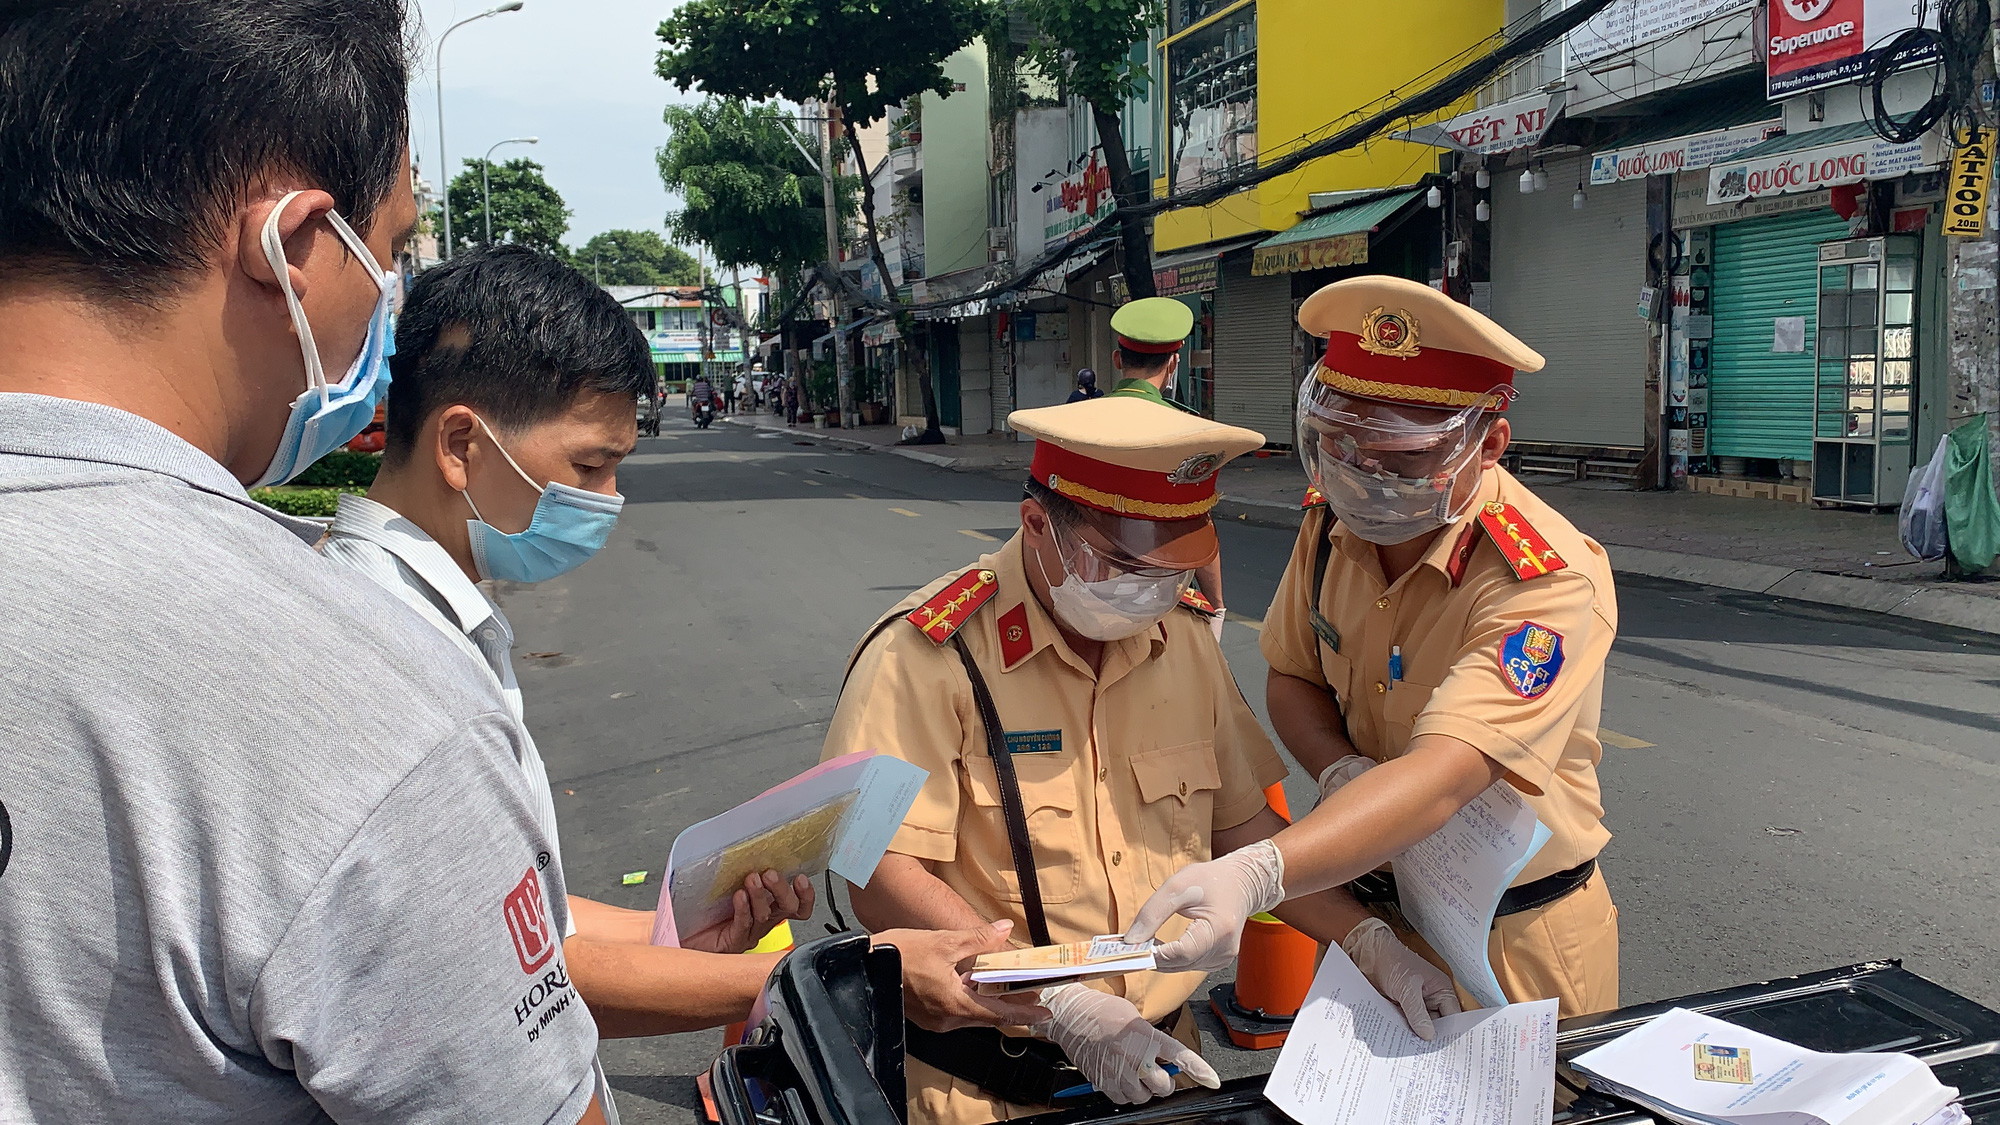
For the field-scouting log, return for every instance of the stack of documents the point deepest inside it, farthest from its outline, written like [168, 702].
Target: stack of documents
[1351, 1059]
[1045, 966]
[1701, 1070]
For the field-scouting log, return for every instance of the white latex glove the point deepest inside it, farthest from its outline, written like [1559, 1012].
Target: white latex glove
[1215, 624]
[1217, 897]
[1114, 1046]
[1340, 773]
[1415, 985]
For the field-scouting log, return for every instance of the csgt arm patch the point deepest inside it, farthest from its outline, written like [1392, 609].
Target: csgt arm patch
[1530, 657]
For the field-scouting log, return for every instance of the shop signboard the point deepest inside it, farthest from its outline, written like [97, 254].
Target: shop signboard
[1679, 154]
[1497, 128]
[1188, 277]
[1844, 162]
[1079, 200]
[1816, 43]
[1312, 254]
[1634, 23]
[1971, 181]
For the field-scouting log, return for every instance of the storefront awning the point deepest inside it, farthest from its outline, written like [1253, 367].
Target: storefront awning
[1337, 238]
[1190, 271]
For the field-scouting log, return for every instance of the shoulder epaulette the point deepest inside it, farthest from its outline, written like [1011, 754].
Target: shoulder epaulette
[1193, 599]
[1313, 499]
[953, 606]
[1526, 552]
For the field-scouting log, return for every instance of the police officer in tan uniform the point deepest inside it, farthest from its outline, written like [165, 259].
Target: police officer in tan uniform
[1439, 628]
[1084, 740]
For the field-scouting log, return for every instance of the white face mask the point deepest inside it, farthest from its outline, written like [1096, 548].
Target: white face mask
[1114, 608]
[1386, 509]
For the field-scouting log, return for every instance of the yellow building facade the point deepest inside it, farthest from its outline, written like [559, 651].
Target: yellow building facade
[1254, 79]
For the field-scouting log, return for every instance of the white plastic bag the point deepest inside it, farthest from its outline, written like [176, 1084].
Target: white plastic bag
[1920, 521]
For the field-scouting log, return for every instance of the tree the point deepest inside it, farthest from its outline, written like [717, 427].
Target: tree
[862, 56]
[635, 257]
[526, 210]
[750, 195]
[1088, 45]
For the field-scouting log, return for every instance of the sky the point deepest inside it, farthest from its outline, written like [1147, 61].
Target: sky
[578, 74]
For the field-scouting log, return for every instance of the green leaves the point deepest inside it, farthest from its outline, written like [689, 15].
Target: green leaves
[1099, 35]
[526, 210]
[864, 55]
[635, 257]
[748, 192]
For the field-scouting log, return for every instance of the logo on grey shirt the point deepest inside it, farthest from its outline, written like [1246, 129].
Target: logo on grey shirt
[6, 838]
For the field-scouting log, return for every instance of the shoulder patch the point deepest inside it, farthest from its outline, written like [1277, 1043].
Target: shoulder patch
[1520, 544]
[951, 607]
[1194, 600]
[1530, 657]
[1314, 498]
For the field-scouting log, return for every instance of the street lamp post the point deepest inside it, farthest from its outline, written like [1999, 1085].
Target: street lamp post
[437, 71]
[486, 185]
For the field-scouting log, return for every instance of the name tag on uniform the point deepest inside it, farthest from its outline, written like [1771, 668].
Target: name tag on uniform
[1326, 631]
[1034, 741]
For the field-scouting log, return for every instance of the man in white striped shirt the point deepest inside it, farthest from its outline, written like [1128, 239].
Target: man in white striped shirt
[512, 403]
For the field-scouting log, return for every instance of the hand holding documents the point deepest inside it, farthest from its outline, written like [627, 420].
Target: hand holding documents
[1045, 966]
[1700, 1070]
[838, 816]
[1352, 1059]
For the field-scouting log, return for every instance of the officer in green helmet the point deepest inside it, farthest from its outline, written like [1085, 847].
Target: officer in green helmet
[1150, 333]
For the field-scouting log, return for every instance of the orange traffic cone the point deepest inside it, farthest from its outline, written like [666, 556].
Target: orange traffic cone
[1274, 970]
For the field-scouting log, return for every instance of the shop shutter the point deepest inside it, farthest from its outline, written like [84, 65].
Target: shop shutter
[975, 375]
[1253, 351]
[1760, 402]
[1564, 281]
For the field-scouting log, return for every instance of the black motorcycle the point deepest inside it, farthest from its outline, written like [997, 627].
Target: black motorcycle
[704, 413]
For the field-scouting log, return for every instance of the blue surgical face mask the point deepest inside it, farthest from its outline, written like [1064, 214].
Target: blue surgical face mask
[569, 526]
[328, 414]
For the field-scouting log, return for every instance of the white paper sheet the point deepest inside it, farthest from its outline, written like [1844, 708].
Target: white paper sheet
[1450, 883]
[1351, 1059]
[1653, 1065]
[878, 789]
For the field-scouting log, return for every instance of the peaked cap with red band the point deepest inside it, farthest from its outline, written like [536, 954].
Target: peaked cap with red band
[1395, 340]
[1130, 457]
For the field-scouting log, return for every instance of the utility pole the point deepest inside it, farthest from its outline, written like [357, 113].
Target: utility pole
[843, 379]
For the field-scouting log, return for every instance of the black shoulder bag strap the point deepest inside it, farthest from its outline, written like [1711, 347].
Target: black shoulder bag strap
[1322, 553]
[1011, 807]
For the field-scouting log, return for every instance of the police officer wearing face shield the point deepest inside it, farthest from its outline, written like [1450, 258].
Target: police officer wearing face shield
[1438, 629]
[1084, 741]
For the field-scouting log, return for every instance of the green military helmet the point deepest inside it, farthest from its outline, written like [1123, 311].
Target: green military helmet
[1153, 325]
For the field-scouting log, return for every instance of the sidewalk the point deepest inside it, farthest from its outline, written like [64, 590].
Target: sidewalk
[1842, 558]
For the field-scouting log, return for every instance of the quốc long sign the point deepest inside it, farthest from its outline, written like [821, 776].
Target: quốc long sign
[1863, 158]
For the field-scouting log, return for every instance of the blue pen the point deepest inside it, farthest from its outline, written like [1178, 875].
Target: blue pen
[1395, 665]
[1087, 1088]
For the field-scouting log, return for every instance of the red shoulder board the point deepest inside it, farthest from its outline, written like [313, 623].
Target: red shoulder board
[952, 606]
[1313, 499]
[1193, 599]
[1520, 544]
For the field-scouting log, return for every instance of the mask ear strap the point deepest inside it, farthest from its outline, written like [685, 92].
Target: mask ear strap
[509, 456]
[274, 253]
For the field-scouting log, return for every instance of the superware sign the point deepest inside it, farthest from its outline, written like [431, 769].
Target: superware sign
[1530, 657]
[1817, 43]
[527, 916]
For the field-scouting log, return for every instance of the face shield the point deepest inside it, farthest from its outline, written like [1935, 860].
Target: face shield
[1388, 470]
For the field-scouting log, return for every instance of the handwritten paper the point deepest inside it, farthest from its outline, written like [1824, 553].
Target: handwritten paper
[1450, 882]
[1351, 1059]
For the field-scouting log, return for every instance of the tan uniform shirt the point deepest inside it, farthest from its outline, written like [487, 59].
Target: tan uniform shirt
[1157, 751]
[1452, 638]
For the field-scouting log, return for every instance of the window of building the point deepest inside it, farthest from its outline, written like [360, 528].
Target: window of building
[1212, 100]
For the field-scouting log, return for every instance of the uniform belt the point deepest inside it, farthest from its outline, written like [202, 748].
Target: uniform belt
[1380, 886]
[1019, 1069]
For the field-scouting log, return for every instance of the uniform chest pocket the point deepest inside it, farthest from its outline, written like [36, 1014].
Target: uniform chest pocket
[1177, 785]
[1049, 799]
[1400, 708]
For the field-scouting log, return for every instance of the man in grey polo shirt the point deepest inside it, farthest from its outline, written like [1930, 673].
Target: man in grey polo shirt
[270, 853]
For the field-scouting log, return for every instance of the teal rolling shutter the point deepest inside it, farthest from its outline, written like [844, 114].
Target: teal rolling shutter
[1761, 401]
